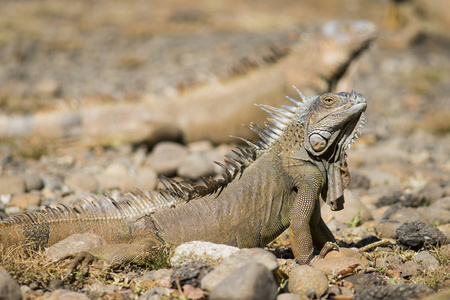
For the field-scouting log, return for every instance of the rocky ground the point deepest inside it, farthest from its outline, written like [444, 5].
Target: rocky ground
[399, 199]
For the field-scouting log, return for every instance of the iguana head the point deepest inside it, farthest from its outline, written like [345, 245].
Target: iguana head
[316, 130]
[333, 122]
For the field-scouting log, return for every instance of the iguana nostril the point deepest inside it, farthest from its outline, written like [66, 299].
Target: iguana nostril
[318, 143]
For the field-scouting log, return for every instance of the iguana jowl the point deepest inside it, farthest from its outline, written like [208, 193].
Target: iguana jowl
[274, 183]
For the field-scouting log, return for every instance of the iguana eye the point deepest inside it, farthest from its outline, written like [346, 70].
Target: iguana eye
[328, 100]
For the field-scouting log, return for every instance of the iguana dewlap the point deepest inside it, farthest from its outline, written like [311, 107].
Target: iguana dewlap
[273, 184]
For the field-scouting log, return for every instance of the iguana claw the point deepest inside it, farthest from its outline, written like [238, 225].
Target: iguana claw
[329, 246]
[84, 258]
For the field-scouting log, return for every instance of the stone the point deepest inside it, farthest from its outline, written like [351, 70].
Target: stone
[191, 292]
[443, 203]
[434, 215]
[82, 181]
[388, 262]
[415, 235]
[161, 276]
[359, 181]
[307, 280]
[73, 244]
[380, 178]
[291, 296]
[353, 209]
[403, 214]
[249, 281]
[442, 295]
[62, 294]
[347, 252]
[12, 185]
[9, 289]
[23, 201]
[387, 228]
[145, 179]
[427, 260]
[334, 266]
[403, 291]
[409, 269]
[166, 158]
[196, 165]
[209, 253]
[361, 281]
[236, 260]
[33, 181]
[155, 293]
[190, 274]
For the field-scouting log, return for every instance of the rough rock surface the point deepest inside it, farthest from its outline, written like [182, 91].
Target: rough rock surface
[401, 292]
[236, 260]
[415, 235]
[307, 280]
[9, 289]
[209, 253]
[249, 281]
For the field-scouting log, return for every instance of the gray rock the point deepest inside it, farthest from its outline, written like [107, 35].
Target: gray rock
[387, 228]
[427, 260]
[52, 182]
[24, 201]
[249, 281]
[235, 261]
[191, 274]
[434, 215]
[33, 181]
[115, 176]
[443, 203]
[12, 185]
[307, 280]
[166, 158]
[9, 289]
[82, 181]
[62, 294]
[161, 276]
[155, 293]
[195, 165]
[359, 181]
[362, 281]
[145, 179]
[415, 235]
[73, 244]
[289, 296]
[402, 214]
[380, 178]
[409, 269]
[403, 291]
[209, 253]
[388, 262]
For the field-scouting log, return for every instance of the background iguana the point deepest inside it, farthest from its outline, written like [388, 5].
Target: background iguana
[274, 183]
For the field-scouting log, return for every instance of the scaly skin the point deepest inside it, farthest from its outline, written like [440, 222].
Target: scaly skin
[274, 184]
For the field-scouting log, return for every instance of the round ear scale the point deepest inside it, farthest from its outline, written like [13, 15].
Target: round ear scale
[318, 143]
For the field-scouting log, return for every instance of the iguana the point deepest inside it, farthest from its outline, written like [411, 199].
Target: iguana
[319, 57]
[274, 183]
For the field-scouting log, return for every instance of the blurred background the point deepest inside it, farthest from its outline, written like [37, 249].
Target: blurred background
[114, 73]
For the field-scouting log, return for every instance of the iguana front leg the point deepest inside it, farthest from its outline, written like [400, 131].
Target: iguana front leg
[307, 227]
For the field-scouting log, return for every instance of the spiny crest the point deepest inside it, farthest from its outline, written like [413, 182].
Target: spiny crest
[279, 119]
